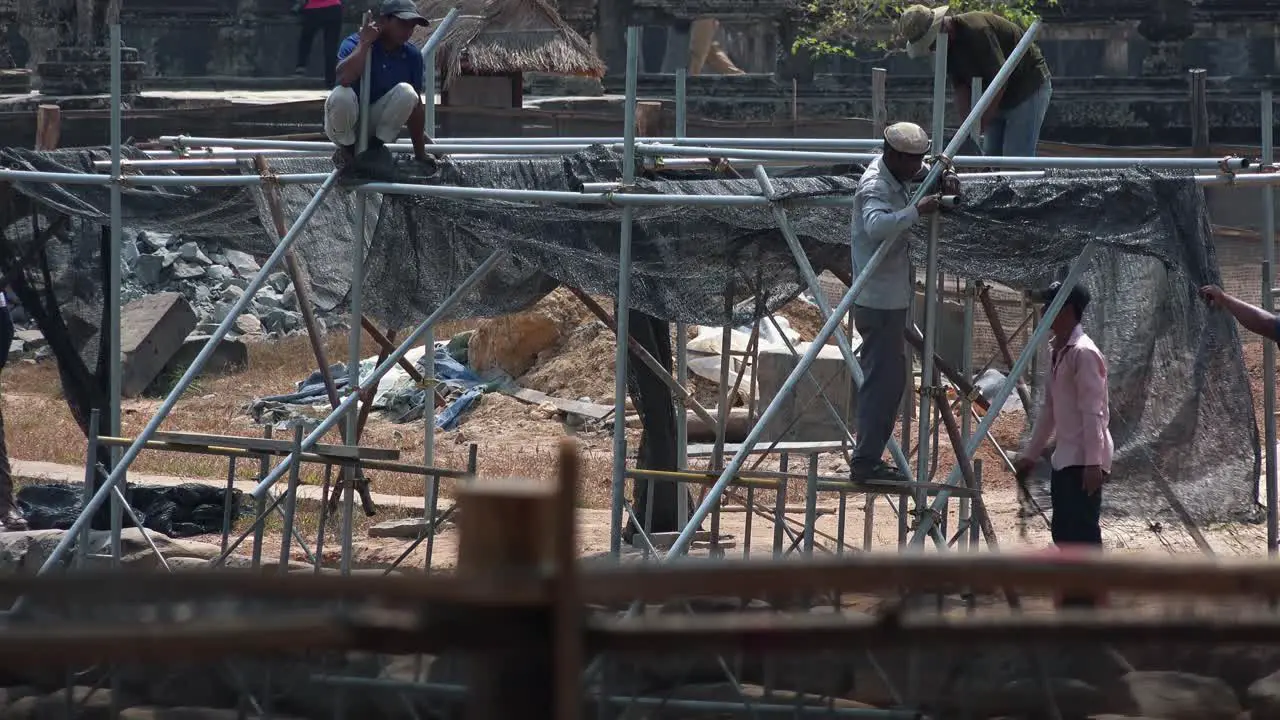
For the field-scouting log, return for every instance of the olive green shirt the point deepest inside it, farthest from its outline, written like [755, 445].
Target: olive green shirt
[979, 46]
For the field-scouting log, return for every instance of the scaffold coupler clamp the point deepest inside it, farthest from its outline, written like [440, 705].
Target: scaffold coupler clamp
[1224, 167]
[919, 513]
[934, 392]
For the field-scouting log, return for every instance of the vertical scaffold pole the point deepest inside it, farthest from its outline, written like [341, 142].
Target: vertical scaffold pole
[358, 242]
[931, 280]
[966, 364]
[623, 311]
[682, 330]
[1268, 300]
[113, 297]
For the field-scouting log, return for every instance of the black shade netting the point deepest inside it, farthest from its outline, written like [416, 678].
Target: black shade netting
[178, 511]
[1182, 413]
[1181, 407]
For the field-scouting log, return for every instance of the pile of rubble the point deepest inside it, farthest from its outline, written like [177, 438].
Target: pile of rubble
[212, 279]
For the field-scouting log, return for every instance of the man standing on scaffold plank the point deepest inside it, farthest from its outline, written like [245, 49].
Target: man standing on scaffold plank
[882, 212]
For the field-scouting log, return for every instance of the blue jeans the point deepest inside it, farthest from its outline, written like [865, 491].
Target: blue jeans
[1015, 132]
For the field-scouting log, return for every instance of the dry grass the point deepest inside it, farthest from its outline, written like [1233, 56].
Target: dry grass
[40, 427]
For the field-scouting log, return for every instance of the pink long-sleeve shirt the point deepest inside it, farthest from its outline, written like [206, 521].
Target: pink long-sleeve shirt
[1076, 407]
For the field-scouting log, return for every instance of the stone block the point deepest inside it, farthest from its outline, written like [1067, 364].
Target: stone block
[147, 269]
[152, 330]
[32, 339]
[242, 262]
[804, 417]
[248, 324]
[230, 356]
[406, 528]
[949, 342]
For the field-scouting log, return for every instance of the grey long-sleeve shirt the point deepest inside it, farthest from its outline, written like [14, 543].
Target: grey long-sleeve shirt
[882, 210]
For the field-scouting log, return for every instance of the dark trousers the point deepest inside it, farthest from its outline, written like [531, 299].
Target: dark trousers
[884, 377]
[1077, 518]
[6, 334]
[329, 22]
[6, 476]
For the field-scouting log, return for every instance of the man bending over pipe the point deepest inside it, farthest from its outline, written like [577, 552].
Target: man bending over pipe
[881, 213]
[1077, 410]
[395, 85]
[977, 45]
[1251, 317]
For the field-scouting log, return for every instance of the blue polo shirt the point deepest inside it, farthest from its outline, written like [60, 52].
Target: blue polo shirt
[388, 69]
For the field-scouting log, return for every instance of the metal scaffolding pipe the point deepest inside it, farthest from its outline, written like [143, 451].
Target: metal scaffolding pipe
[927, 376]
[324, 145]
[621, 315]
[1057, 163]
[1268, 303]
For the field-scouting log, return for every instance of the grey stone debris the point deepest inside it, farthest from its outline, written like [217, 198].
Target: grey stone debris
[147, 269]
[278, 282]
[212, 278]
[155, 241]
[129, 251]
[183, 270]
[242, 262]
[191, 252]
[248, 324]
[220, 274]
[31, 339]
[232, 293]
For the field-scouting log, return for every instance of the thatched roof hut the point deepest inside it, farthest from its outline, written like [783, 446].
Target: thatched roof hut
[502, 37]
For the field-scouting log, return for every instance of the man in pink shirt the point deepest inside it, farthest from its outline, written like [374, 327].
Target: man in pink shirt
[1076, 410]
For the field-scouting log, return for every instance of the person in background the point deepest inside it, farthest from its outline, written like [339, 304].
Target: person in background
[978, 43]
[705, 50]
[1251, 317]
[1076, 409]
[324, 17]
[395, 87]
[882, 211]
[10, 517]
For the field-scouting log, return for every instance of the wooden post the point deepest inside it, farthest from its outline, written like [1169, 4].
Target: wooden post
[1200, 111]
[509, 528]
[271, 195]
[648, 119]
[879, 104]
[48, 127]
[567, 609]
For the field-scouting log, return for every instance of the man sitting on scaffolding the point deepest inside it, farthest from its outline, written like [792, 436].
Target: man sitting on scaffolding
[882, 211]
[395, 85]
[978, 43]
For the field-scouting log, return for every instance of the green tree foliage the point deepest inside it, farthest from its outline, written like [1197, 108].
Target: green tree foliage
[838, 27]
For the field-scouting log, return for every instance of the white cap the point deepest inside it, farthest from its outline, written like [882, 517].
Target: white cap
[908, 138]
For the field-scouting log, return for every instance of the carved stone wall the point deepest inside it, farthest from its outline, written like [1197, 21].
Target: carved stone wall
[178, 38]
